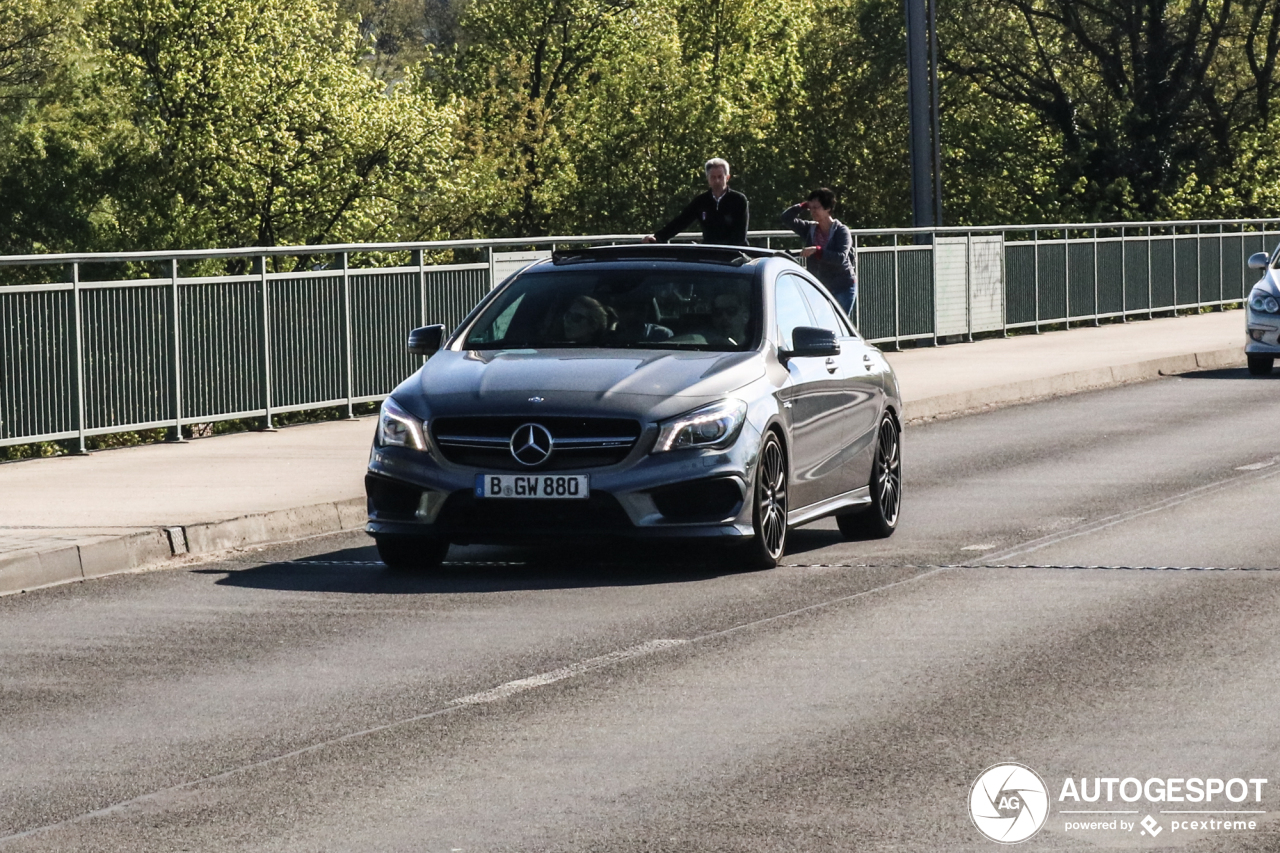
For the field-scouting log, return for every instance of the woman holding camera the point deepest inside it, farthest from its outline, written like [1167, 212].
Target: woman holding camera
[827, 245]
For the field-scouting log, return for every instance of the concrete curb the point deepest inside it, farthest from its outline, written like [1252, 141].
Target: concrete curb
[985, 399]
[26, 570]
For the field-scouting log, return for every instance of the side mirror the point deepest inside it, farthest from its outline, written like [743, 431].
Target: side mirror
[810, 341]
[426, 340]
[1258, 261]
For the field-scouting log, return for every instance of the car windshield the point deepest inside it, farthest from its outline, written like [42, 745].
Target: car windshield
[712, 309]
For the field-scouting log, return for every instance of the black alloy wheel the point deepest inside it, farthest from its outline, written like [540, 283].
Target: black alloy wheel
[1260, 365]
[769, 505]
[881, 518]
[411, 553]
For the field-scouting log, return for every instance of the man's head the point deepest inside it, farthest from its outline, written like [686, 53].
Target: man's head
[717, 174]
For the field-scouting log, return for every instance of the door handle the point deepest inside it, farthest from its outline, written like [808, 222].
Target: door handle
[831, 365]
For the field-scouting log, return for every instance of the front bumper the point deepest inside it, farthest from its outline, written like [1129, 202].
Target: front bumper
[679, 495]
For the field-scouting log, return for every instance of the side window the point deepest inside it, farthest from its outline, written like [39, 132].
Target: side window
[790, 308]
[823, 310]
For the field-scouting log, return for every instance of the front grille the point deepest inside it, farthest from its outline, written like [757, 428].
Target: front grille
[580, 443]
[466, 518]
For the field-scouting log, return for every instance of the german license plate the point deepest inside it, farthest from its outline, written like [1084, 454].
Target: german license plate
[555, 486]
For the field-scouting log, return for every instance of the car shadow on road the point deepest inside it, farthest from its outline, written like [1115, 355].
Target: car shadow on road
[1227, 373]
[473, 570]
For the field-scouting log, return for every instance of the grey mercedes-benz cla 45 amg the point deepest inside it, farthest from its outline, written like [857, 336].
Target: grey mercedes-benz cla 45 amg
[637, 392]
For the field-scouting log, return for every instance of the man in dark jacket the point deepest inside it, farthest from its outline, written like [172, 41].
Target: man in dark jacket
[723, 213]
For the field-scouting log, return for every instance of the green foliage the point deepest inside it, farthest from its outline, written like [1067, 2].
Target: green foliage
[136, 124]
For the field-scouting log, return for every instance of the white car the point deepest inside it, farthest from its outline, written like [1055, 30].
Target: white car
[1262, 315]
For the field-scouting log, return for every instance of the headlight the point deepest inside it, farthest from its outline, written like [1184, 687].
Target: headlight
[398, 428]
[713, 427]
[1260, 301]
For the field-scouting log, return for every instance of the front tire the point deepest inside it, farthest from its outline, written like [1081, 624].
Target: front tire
[879, 520]
[769, 507]
[411, 553]
[1260, 365]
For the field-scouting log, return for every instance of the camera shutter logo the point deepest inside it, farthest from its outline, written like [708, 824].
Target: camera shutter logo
[1009, 803]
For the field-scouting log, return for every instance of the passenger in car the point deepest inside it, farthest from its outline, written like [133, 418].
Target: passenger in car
[585, 321]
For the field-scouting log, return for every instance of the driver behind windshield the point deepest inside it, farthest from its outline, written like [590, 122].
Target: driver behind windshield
[730, 316]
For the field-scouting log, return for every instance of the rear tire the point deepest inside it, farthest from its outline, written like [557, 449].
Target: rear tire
[769, 509]
[1260, 365]
[879, 520]
[412, 553]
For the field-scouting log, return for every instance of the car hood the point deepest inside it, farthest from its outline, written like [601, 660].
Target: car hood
[644, 383]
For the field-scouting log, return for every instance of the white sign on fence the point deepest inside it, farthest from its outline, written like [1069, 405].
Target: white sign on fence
[968, 282]
[507, 263]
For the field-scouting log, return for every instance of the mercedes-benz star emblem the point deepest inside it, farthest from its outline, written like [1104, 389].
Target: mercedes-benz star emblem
[531, 444]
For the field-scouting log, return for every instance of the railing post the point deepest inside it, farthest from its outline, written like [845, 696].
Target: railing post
[75, 298]
[1199, 289]
[348, 344]
[177, 353]
[1151, 276]
[968, 283]
[1066, 275]
[1095, 278]
[1175, 270]
[419, 258]
[1035, 272]
[1004, 289]
[266, 344]
[1124, 279]
[897, 298]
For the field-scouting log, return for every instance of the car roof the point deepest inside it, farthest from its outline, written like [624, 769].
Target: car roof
[684, 253]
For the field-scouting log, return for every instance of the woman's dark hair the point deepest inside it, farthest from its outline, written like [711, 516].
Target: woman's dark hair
[824, 197]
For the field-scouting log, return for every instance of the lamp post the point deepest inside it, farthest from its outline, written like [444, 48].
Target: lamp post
[922, 97]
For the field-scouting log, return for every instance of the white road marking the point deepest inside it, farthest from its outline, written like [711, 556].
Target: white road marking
[1258, 466]
[985, 547]
[520, 685]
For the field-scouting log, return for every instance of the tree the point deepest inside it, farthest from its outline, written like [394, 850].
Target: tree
[1149, 100]
[257, 125]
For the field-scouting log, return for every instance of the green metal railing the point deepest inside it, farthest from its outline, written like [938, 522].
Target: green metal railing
[101, 343]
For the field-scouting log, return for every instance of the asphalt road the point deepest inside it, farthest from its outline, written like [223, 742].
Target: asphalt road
[304, 698]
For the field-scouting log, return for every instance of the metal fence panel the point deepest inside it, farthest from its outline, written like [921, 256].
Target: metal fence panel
[915, 291]
[876, 285]
[128, 356]
[37, 363]
[221, 347]
[1162, 266]
[1081, 280]
[1187, 276]
[127, 342]
[1111, 277]
[1209, 249]
[307, 328]
[1137, 274]
[383, 309]
[1051, 279]
[1020, 283]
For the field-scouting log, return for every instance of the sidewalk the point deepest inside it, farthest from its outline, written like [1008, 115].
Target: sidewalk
[77, 517]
